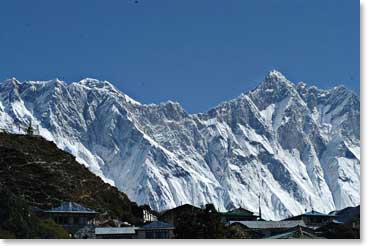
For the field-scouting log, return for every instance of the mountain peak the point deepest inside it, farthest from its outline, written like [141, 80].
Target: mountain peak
[273, 135]
[276, 86]
[11, 80]
[95, 83]
[11, 84]
[275, 79]
[275, 75]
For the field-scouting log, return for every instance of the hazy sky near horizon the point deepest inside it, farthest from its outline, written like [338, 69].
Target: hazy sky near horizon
[196, 52]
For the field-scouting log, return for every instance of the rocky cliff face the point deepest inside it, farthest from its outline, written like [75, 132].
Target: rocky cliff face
[297, 147]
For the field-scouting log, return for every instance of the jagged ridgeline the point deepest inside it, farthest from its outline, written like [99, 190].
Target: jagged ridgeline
[297, 146]
[33, 170]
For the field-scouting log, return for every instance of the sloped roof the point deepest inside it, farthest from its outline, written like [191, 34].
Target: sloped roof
[184, 206]
[240, 209]
[347, 214]
[158, 225]
[239, 212]
[298, 232]
[115, 230]
[262, 224]
[70, 207]
[310, 213]
[337, 222]
[315, 213]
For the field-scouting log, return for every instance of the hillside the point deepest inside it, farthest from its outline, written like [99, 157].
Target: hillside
[36, 171]
[17, 220]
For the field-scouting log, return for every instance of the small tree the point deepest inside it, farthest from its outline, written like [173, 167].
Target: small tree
[187, 226]
[205, 223]
[212, 223]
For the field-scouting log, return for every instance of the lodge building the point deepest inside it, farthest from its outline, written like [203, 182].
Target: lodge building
[72, 216]
[314, 219]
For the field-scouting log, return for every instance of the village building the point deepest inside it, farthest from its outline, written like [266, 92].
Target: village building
[298, 232]
[116, 232]
[239, 214]
[72, 216]
[268, 228]
[313, 219]
[156, 230]
[239, 231]
[149, 216]
[112, 223]
[170, 216]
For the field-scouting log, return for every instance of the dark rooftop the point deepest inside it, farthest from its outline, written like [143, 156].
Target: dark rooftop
[298, 232]
[179, 208]
[158, 225]
[70, 207]
[239, 212]
[315, 213]
[260, 224]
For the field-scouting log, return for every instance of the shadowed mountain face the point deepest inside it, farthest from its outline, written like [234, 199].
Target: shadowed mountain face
[42, 175]
[295, 146]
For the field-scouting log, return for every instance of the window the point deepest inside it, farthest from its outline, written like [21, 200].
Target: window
[149, 234]
[70, 220]
[82, 221]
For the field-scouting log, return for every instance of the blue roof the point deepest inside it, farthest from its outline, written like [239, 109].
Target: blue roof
[70, 207]
[158, 225]
[315, 213]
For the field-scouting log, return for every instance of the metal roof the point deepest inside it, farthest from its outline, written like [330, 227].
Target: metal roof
[270, 224]
[158, 225]
[338, 222]
[296, 233]
[315, 213]
[115, 230]
[70, 207]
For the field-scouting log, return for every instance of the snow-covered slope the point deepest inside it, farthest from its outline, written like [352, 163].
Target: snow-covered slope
[295, 146]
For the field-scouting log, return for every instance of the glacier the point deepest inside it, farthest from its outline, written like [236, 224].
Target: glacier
[296, 147]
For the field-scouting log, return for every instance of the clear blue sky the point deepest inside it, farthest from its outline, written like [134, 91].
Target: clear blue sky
[196, 52]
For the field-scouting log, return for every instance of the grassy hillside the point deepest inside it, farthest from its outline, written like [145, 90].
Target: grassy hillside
[37, 172]
[18, 221]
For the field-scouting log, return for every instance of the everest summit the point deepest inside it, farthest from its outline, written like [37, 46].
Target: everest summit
[295, 146]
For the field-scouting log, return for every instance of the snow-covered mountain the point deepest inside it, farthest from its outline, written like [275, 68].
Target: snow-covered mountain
[297, 147]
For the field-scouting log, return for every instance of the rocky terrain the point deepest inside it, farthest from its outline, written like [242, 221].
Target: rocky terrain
[295, 146]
